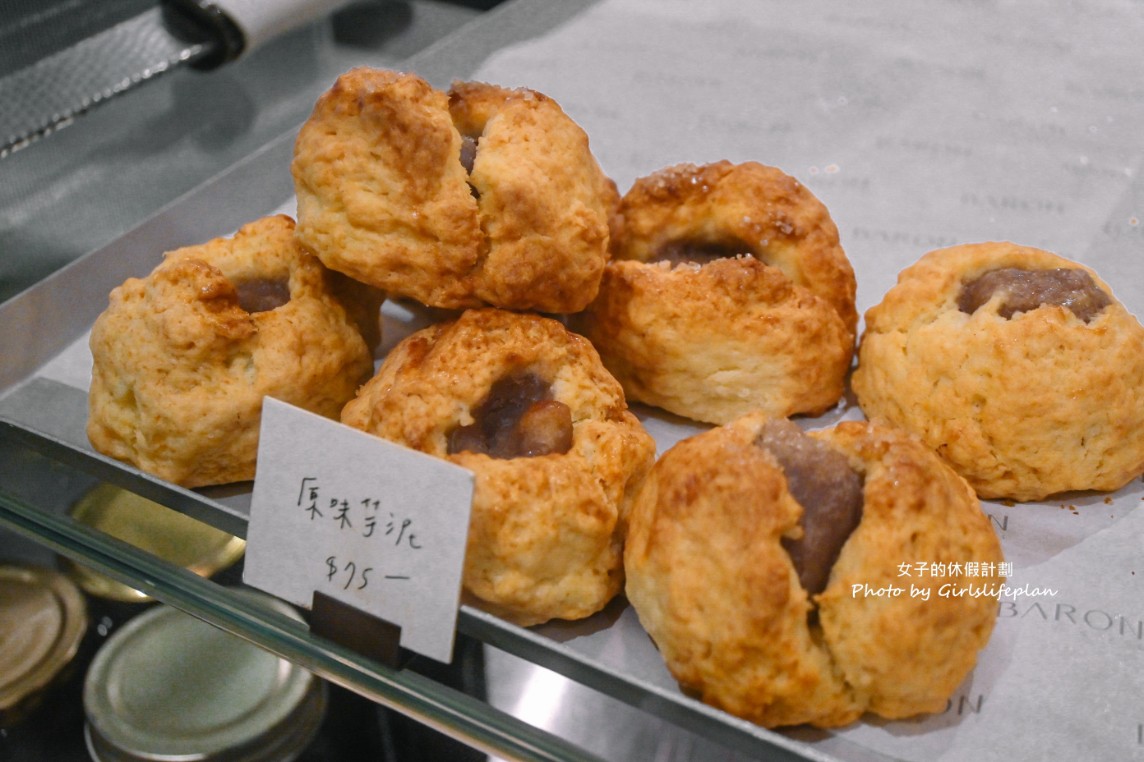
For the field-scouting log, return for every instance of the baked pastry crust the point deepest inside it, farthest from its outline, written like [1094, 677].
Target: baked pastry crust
[1024, 407]
[713, 586]
[546, 532]
[774, 331]
[383, 195]
[180, 368]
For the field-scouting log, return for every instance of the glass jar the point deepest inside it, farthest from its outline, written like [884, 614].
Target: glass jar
[43, 618]
[169, 687]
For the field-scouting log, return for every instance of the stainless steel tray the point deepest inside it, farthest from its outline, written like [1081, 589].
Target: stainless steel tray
[43, 407]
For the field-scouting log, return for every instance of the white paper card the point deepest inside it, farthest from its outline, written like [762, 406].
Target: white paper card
[375, 525]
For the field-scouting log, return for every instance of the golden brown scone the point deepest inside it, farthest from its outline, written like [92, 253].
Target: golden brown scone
[768, 324]
[1025, 406]
[713, 583]
[548, 520]
[384, 196]
[183, 357]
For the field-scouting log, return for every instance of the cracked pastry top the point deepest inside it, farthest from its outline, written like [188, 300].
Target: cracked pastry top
[1018, 366]
[527, 406]
[479, 196]
[728, 292]
[183, 357]
[755, 557]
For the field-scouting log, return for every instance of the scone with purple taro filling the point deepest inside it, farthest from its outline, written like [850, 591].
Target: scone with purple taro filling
[183, 358]
[1018, 366]
[728, 292]
[762, 561]
[528, 407]
[481, 195]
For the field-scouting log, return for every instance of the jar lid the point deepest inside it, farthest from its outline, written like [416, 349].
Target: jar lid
[169, 687]
[43, 618]
[155, 528]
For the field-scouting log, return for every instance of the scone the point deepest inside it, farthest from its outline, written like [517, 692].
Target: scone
[762, 562]
[479, 196]
[728, 292]
[1018, 366]
[183, 357]
[528, 407]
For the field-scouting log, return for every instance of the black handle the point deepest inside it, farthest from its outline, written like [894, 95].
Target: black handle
[204, 22]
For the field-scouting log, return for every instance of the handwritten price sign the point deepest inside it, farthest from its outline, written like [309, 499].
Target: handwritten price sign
[377, 526]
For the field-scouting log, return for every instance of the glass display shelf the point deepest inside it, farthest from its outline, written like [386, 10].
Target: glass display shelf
[609, 652]
[448, 710]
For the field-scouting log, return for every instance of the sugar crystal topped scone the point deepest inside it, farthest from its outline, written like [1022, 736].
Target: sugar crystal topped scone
[763, 560]
[183, 357]
[1016, 365]
[728, 292]
[528, 407]
[482, 195]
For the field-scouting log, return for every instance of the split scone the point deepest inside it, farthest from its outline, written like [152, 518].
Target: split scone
[479, 196]
[763, 561]
[1018, 366]
[183, 357]
[528, 407]
[728, 292]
